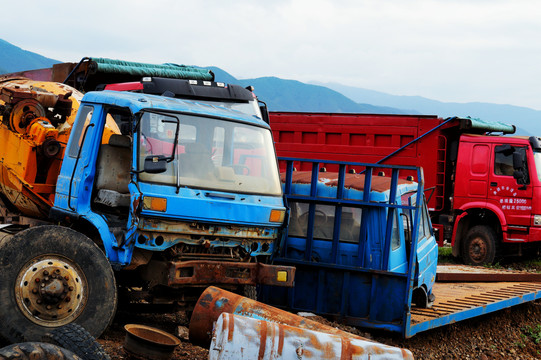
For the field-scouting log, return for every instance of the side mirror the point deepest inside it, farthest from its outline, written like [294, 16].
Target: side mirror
[155, 164]
[518, 160]
[264, 111]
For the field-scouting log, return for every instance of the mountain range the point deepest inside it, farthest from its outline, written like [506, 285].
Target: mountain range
[14, 59]
[292, 95]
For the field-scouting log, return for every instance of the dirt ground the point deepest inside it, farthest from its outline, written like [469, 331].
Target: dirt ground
[513, 333]
[509, 334]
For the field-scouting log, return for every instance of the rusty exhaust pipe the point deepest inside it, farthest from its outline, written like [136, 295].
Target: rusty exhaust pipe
[215, 301]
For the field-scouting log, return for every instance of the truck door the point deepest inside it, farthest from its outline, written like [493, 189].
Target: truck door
[75, 166]
[510, 188]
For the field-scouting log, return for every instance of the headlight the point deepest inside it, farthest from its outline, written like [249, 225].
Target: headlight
[537, 220]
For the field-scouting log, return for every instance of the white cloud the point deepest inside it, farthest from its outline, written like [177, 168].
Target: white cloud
[450, 50]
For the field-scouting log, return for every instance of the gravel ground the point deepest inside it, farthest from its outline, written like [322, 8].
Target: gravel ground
[508, 334]
[513, 333]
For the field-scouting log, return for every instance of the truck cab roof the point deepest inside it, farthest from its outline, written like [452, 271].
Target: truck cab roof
[490, 139]
[137, 102]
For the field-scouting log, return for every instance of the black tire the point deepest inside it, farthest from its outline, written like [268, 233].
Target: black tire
[36, 351]
[79, 341]
[76, 283]
[480, 246]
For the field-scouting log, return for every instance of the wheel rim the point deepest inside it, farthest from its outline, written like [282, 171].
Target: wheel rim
[51, 290]
[478, 249]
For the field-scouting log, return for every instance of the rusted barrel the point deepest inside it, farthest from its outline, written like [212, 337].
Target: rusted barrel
[239, 337]
[215, 301]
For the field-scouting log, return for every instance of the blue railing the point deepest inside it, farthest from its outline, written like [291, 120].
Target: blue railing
[348, 283]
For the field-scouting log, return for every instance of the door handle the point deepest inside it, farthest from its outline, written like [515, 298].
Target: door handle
[493, 183]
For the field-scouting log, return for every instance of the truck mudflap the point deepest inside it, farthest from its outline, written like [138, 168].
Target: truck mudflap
[219, 272]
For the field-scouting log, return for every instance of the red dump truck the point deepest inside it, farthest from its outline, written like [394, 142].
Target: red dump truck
[484, 187]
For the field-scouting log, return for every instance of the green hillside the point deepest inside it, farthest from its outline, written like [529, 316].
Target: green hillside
[16, 59]
[525, 119]
[292, 95]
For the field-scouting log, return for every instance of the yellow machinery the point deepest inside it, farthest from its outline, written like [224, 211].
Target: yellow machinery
[35, 124]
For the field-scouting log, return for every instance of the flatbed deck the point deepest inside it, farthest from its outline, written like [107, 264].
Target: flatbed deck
[456, 301]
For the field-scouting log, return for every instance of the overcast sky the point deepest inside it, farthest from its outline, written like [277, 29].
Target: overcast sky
[448, 50]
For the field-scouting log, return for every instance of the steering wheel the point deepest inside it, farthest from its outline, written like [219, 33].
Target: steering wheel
[319, 216]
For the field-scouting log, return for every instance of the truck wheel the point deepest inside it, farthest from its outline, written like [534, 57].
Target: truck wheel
[36, 351]
[75, 338]
[52, 276]
[480, 246]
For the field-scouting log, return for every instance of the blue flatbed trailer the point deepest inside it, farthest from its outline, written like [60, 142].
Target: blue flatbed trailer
[365, 253]
[465, 300]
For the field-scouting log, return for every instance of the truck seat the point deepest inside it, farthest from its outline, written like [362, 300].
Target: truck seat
[113, 172]
[196, 161]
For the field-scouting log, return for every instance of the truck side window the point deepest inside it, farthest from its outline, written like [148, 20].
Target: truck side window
[503, 163]
[503, 160]
[350, 225]
[425, 230]
[425, 225]
[395, 237]
[77, 133]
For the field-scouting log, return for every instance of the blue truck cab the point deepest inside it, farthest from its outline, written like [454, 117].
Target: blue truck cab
[362, 245]
[184, 191]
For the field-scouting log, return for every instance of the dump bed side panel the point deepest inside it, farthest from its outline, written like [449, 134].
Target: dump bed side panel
[366, 138]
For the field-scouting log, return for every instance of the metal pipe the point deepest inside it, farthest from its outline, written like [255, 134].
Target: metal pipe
[239, 337]
[214, 301]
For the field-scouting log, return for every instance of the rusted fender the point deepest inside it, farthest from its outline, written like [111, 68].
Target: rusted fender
[215, 301]
[239, 337]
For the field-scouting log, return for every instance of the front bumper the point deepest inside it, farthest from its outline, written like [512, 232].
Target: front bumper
[237, 273]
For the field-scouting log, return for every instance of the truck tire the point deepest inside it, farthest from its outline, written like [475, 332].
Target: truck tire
[52, 276]
[480, 247]
[75, 338]
[36, 351]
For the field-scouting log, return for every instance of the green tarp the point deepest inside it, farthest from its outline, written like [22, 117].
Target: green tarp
[141, 69]
[486, 126]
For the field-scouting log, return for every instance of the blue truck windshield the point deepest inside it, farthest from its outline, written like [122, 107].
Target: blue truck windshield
[210, 153]
[249, 108]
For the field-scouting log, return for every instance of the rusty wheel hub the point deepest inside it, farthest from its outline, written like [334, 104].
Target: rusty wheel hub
[478, 249]
[51, 290]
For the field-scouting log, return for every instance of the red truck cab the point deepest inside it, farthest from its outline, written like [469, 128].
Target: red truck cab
[497, 195]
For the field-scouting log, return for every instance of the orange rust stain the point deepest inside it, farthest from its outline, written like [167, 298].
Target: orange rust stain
[406, 354]
[346, 349]
[306, 353]
[224, 323]
[377, 350]
[262, 339]
[356, 350]
[328, 351]
[280, 340]
[231, 328]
